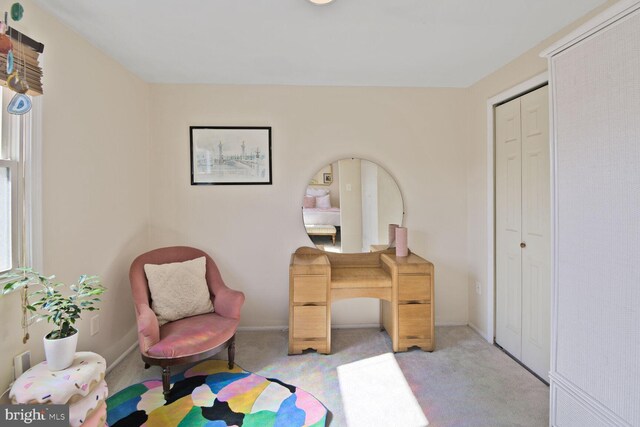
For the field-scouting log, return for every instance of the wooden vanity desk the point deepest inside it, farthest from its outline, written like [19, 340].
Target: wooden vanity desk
[403, 284]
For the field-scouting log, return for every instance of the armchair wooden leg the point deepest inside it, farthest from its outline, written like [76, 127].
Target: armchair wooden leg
[232, 350]
[166, 384]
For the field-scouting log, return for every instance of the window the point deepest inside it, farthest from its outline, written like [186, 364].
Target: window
[14, 213]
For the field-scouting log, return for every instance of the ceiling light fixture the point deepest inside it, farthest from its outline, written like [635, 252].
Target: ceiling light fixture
[320, 2]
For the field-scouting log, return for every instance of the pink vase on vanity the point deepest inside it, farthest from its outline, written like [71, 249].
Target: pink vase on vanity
[402, 248]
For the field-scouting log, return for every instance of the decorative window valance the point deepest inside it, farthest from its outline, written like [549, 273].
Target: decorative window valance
[29, 49]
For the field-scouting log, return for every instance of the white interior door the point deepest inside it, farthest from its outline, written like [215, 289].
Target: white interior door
[523, 240]
[536, 255]
[509, 228]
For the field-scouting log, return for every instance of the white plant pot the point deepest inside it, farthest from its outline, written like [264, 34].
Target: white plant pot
[60, 352]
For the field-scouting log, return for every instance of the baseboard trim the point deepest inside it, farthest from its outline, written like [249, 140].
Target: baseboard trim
[122, 356]
[452, 324]
[345, 326]
[481, 333]
[262, 328]
[356, 326]
[585, 400]
[286, 328]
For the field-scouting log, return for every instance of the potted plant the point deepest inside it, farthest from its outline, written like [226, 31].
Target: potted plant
[48, 302]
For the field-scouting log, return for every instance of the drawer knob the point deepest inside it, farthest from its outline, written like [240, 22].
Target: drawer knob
[523, 245]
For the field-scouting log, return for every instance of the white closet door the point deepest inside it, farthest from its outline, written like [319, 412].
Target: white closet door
[536, 255]
[523, 241]
[508, 228]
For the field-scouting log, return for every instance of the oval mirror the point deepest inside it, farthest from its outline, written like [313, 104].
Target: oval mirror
[348, 206]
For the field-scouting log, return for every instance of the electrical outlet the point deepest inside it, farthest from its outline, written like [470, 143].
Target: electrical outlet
[21, 363]
[95, 324]
[478, 288]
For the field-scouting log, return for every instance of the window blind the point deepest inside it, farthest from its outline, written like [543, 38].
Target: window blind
[29, 49]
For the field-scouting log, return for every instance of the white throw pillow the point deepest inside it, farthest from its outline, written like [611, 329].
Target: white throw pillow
[315, 192]
[323, 202]
[179, 289]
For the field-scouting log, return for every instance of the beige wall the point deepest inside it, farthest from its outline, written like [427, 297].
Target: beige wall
[95, 184]
[390, 205]
[350, 205]
[415, 134]
[521, 69]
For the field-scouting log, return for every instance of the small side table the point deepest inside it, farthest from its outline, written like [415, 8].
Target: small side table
[81, 386]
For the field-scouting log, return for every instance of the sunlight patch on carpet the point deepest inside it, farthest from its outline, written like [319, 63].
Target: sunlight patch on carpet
[376, 393]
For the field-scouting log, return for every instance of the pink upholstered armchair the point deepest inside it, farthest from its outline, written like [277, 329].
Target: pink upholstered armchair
[189, 339]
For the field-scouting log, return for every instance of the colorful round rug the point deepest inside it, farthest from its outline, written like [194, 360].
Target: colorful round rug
[210, 394]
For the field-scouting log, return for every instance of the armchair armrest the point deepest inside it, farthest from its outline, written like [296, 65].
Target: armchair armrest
[228, 303]
[148, 327]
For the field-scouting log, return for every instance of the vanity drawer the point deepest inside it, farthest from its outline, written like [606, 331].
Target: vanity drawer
[309, 289]
[414, 321]
[310, 321]
[414, 287]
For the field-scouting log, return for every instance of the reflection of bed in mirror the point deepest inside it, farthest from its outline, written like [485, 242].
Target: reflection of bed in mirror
[321, 204]
[318, 216]
[321, 215]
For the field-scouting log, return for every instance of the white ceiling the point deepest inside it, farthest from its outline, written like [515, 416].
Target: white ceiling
[428, 43]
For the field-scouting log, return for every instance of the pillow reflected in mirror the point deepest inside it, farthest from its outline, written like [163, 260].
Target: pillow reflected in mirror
[309, 202]
[323, 202]
[316, 192]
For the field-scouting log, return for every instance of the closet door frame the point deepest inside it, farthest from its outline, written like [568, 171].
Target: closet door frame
[516, 91]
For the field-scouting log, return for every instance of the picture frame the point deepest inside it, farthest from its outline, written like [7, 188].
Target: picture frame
[327, 178]
[318, 178]
[230, 155]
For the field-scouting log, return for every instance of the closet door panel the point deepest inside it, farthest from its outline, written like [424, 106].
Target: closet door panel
[536, 255]
[508, 227]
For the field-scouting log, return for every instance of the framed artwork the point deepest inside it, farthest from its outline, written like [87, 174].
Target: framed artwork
[225, 155]
[320, 178]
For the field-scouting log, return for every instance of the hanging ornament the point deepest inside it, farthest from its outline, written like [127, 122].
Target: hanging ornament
[17, 11]
[16, 83]
[10, 62]
[5, 43]
[19, 104]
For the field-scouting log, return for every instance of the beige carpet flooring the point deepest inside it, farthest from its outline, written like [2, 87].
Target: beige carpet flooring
[464, 382]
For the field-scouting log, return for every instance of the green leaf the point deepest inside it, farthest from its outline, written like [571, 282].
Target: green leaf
[49, 301]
